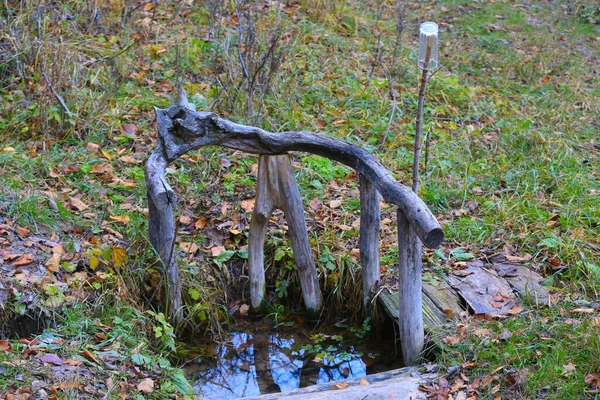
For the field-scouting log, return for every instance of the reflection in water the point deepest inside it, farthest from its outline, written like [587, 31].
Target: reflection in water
[257, 363]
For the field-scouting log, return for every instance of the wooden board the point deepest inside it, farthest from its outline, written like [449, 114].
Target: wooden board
[444, 297]
[396, 384]
[433, 318]
[484, 291]
[524, 281]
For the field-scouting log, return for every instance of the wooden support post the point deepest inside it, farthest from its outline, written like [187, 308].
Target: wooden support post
[161, 228]
[369, 238]
[276, 187]
[410, 288]
[256, 240]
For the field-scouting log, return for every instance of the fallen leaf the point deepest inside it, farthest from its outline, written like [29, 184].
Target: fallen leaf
[119, 256]
[78, 204]
[593, 380]
[248, 204]
[53, 264]
[90, 357]
[582, 311]
[51, 359]
[452, 339]
[106, 154]
[487, 380]
[569, 369]
[92, 146]
[525, 257]
[25, 259]
[335, 203]
[596, 321]
[74, 363]
[363, 382]
[190, 248]
[482, 332]
[515, 310]
[5, 346]
[340, 385]
[146, 386]
[122, 219]
[22, 231]
[185, 220]
[460, 396]
[244, 308]
[215, 251]
[58, 249]
[129, 159]
[200, 223]
[102, 169]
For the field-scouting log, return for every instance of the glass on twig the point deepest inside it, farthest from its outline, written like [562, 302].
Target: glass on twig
[428, 46]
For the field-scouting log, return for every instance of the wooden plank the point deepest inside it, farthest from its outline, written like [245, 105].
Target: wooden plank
[433, 318]
[444, 297]
[483, 290]
[397, 384]
[369, 238]
[410, 321]
[526, 282]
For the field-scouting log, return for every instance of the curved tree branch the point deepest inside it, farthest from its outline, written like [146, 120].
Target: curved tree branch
[182, 129]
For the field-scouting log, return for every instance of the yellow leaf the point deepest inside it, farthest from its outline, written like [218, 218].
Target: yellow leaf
[119, 256]
[200, 223]
[93, 262]
[122, 219]
[106, 154]
[53, 264]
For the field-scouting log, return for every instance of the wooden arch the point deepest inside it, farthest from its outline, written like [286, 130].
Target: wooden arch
[181, 129]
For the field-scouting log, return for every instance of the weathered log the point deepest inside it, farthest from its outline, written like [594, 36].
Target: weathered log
[277, 188]
[369, 238]
[410, 291]
[183, 129]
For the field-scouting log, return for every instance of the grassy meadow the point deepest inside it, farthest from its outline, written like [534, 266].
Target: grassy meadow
[513, 121]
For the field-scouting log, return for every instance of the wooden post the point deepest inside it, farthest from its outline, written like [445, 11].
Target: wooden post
[277, 187]
[161, 228]
[410, 288]
[369, 238]
[263, 206]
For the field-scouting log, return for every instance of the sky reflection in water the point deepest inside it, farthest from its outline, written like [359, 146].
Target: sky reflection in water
[262, 362]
